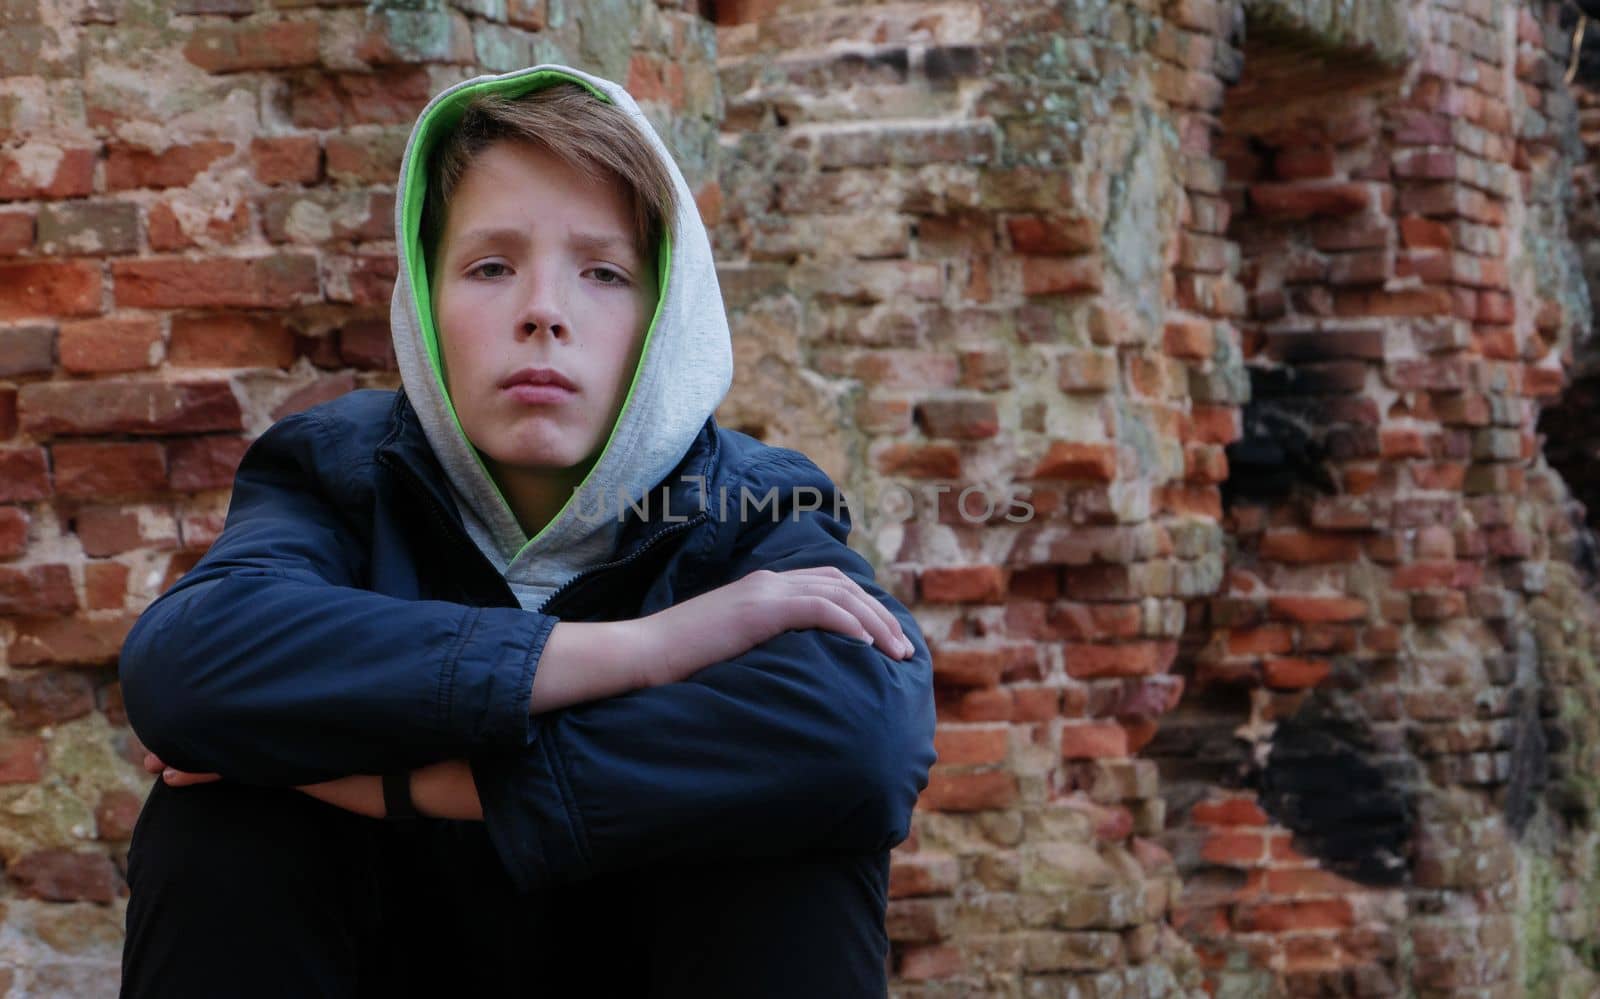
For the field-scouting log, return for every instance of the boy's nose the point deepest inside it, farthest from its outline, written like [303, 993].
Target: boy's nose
[542, 312]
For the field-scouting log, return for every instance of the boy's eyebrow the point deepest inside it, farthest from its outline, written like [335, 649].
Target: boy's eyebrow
[585, 242]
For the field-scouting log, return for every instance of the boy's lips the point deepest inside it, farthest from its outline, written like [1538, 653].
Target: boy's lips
[535, 386]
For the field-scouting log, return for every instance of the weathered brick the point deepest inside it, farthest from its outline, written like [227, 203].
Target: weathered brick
[205, 462]
[390, 95]
[128, 407]
[16, 232]
[964, 584]
[70, 641]
[116, 814]
[97, 470]
[24, 475]
[320, 216]
[968, 792]
[370, 157]
[27, 350]
[961, 419]
[1052, 234]
[47, 697]
[230, 340]
[970, 667]
[234, 48]
[289, 159]
[1093, 740]
[105, 585]
[367, 344]
[129, 167]
[254, 282]
[168, 231]
[1061, 275]
[1073, 460]
[1303, 201]
[88, 228]
[1091, 660]
[22, 759]
[968, 745]
[95, 346]
[55, 288]
[13, 531]
[36, 170]
[38, 590]
[58, 874]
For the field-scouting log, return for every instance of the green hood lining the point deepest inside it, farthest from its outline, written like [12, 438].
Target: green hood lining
[436, 123]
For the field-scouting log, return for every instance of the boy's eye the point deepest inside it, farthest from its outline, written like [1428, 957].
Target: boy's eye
[606, 275]
[488, 269]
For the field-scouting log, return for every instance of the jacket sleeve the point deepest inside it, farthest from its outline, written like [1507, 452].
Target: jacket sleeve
[270, 664]
[810, 741]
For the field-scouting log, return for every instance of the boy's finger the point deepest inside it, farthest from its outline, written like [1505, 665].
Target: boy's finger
[153, 764]
[180, 778]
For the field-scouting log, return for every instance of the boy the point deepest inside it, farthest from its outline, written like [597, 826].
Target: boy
[658, 745]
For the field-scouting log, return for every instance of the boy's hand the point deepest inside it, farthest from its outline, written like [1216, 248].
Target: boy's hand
[176, 778]
[736, 617]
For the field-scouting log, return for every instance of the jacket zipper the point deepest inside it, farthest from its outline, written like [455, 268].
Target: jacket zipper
[460, 535]
[632, 556]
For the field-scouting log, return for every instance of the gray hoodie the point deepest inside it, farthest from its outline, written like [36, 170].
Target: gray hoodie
[685, 367]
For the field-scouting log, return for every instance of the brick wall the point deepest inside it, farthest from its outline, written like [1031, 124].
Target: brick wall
[196, 211]
[1285, 681]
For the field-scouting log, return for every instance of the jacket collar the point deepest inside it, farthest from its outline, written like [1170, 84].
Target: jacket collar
[679, 496]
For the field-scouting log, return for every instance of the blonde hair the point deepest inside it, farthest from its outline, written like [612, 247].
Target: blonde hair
[594, 137]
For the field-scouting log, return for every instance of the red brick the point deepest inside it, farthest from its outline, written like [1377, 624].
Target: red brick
[49, 289]
[1234, 848]
[1303, 163]
[230, 341]
[1095, 740]
[167, 231]
[129, 167]
[320, 391]
[1061, 275]
[204, 462]
[1297, 546]
[1228, 812]
[16, 232]
[29, 173]
[290, 159]
[1190, 337]
[961, 419]
[128, 407]
[366, 158]
[970, 667]
[920, 461]
[1301, 201]
[108, 530]
[234, 48]
[37, 590]
[1085, 661]
[964, 584]
[1072, 460]
[1267, 638]
[255, 282]
[1290, 917]
[62, 875]
[1212, 424]
[93, 346]
[967, 745]
[390, 95]
[105, 585]
[968, 792]
[1308, 882]
[528, 14]
[1053, 234]
[930, 962]
[97, 470]
[22, 759]
[1417, 232]
[1316, 609]
[47, 697]
[1294, 674]
[27, 350]
[360, 280]
[1086, 371]
[24, 475]
[1423, 575]
[367, 345]
[652, 78]
[13, 531]
[116, 814]
[70, 641]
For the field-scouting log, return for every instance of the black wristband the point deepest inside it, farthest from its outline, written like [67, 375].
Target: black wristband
[397, 796]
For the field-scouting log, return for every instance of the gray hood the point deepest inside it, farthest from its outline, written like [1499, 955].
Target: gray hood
[685, 367]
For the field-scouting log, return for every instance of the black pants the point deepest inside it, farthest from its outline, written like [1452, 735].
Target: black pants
[245, 891]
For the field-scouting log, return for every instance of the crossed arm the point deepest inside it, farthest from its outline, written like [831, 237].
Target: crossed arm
[269, 664]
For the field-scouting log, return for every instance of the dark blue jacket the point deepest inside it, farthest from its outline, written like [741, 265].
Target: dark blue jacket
[344, 623]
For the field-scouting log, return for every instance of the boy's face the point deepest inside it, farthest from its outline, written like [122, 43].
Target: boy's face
[536, 268]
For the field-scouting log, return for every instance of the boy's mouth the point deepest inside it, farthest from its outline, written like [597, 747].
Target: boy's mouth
[534, 386]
